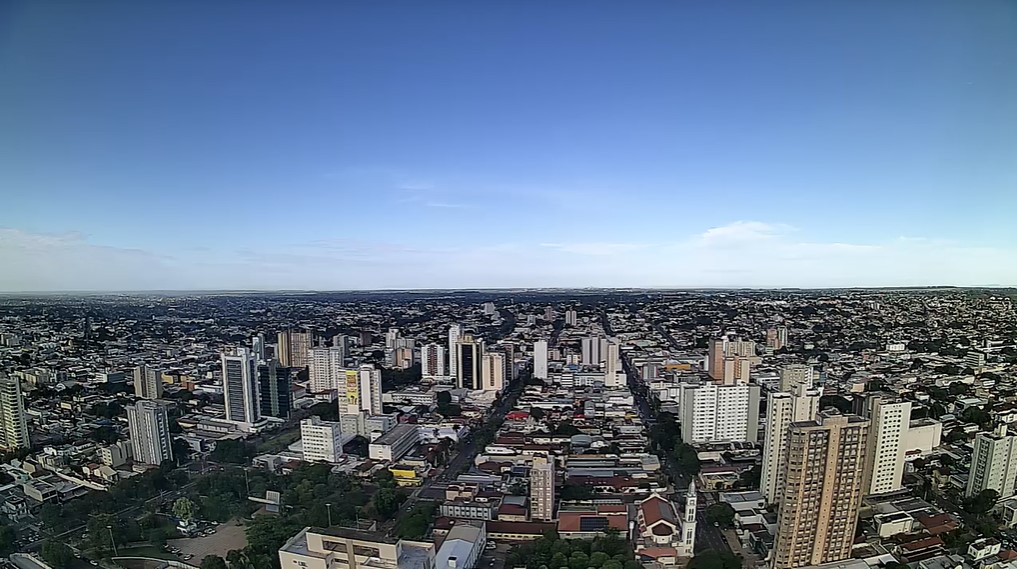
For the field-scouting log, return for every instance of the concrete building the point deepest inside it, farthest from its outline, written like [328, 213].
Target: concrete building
[151, 442]
[274, 386]
[469, 351]
[147, 382]
[240, 387]
[782, 410]
[361, 391]
[293, 348]
[591, 348]
[542, 481]
[493, 372]
[730, 361]
[462, 546]
[613, 374]
[394, 444]
[795, 374]
[571, 317]
[993, 463]
[432, 360]
[686, 545]
[327, 369]
[823, 489]
[322, 441]
[540, 359]
[343, 548]
[712, 412]
[13, 423]
[890, 421]
[454, 332]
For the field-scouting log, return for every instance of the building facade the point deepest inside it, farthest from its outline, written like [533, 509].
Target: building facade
[322, 441]
[493, 372]
[540, 359]
[783, 410]
[13, 423]
[275, 387]
[542, 481]
[147, 382]
[240, 387]
[993, 463]
[713, 412]
[151, 442]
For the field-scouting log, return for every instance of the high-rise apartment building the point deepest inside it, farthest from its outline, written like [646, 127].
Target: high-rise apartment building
[493, 372]
[510, 362]
[321, 441]
[540, 359]
[571, 317]
[327, 369]
[591, 350]
[776, 338]
[151, 441]
[274, 385]
[613, 376]
[432, 360]
[712, 412]
[390, 338]
[824, 484]
[293, 348]
[147, 382]
[542, 488]
[993, 463]
[730, 361]
[258, 347]
[468, 365]
[888, 430]
[361, 391]
[240, 387]
[454, 332]
[13, 423]
[782, 410]
[796, 374]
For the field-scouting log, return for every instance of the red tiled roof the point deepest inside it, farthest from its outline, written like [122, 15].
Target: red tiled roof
[656, 509]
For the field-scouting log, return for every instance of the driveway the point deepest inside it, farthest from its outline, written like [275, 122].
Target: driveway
[227, 536]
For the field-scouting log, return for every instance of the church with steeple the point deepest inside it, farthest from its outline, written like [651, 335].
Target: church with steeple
[687, 546]
[664, 535]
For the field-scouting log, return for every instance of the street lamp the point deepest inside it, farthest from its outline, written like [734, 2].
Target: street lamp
[329, 508]
[113, 541]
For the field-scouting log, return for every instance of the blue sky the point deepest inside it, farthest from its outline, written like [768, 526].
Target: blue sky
[340, 145]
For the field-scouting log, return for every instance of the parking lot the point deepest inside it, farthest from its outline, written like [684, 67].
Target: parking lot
[227, 536]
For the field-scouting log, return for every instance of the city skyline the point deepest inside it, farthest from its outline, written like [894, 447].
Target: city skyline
[351, 147]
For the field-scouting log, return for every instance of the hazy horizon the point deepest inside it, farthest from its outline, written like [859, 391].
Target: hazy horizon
[447, 145]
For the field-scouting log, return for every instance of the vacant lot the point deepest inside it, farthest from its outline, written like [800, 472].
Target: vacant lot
[226, 537]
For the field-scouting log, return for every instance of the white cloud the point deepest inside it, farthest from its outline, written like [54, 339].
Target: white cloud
[595, 248]
[743, 231]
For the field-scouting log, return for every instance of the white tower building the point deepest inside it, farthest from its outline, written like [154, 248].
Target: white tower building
[454, 332]
[687, 546]
[240, 387]
[540, 359]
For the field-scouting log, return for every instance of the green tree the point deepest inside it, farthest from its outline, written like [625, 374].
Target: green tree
[981, 502]
[213, 562]
[387, 501]
[184, 509]
[715, 560]
[537, 413]
[231, 451]
[57, 554]
[8, 537]
[720, 514]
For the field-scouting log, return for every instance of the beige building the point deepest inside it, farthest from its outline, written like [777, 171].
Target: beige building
[824, 484]
[542, 488]
[343, 548]
[13, 423]
[147, 382]
[783, 410]
[493, 372]
[293, 348]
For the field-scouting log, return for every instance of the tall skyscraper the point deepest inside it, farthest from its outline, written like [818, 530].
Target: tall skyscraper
[468, 365]
[542, 488]
[887, 433]
[493, 372]
[151, 441]
[571, 317]
[454, 332]
[361, 391]
[993, 463]
[293, 348]
[258, 347]
[147, 382]
[591, 351]
[510, 362]
[824, 485]
[13, 423]
[795, 374]
[612, 365]
[326, 371]
[540, 359]
[240, 387]
[432, 360]
[781, 337]
[782, 410]
[274, 384]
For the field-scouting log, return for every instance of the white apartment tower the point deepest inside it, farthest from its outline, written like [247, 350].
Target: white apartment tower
[13, 422]
[783, 409]
[432, 360]
[322, 441]
[240, 387]
[889, 422]
[571, 317]
[993, 463]
[612, 366]
[327, 369]
[147, 382]
[492, 375]
[540, 359]
[148, 423]
[370, 389]
[542, 488]
[591, 348]
[712, 412]
[454, 332]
